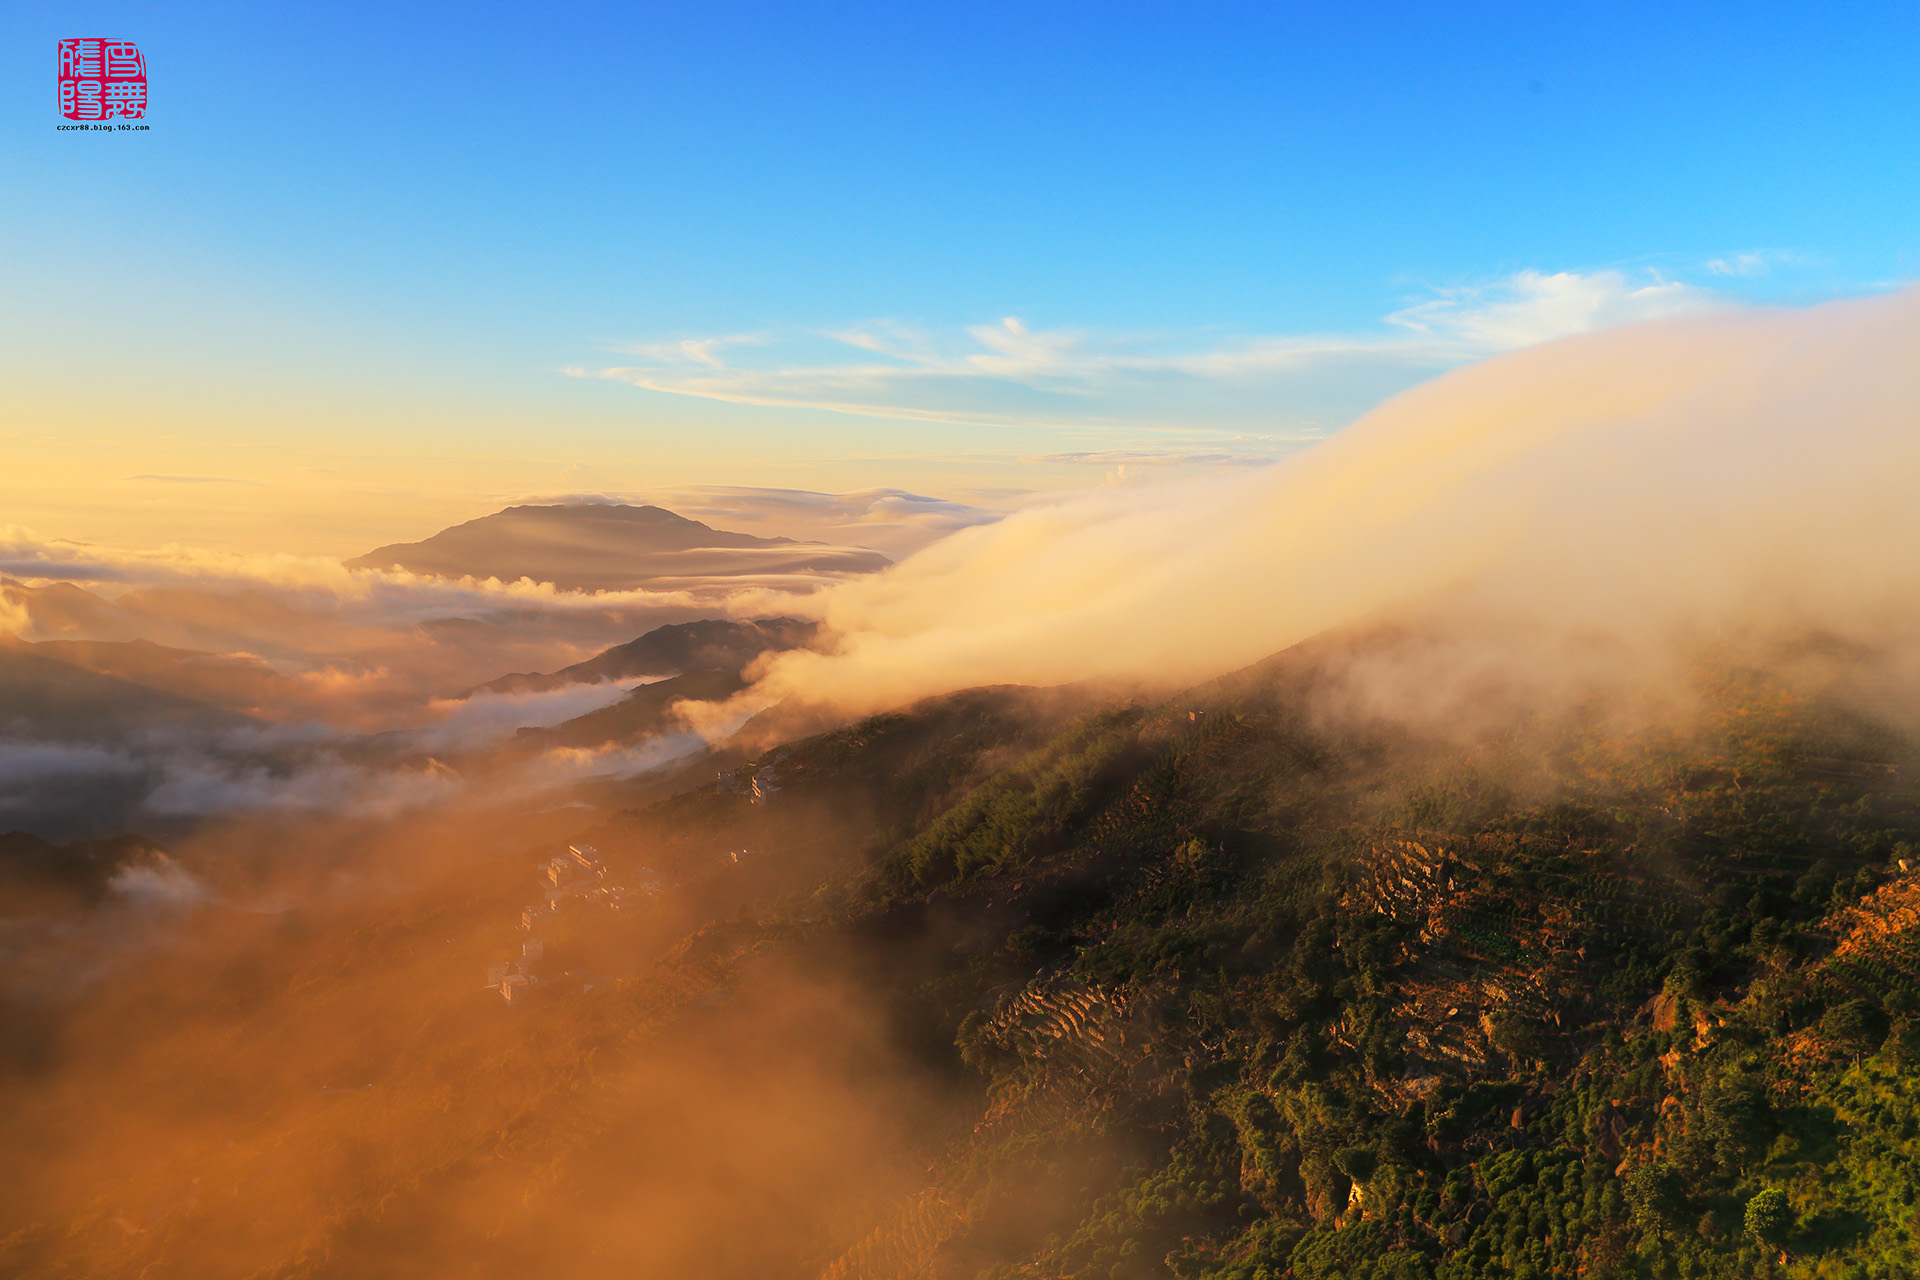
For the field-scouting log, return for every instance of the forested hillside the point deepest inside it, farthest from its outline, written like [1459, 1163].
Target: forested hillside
[1247, 993]
[1004, 984]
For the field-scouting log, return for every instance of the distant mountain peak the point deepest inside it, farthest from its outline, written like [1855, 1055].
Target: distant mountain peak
[597, 546]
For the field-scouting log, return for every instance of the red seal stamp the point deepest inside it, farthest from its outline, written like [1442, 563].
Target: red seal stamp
[102, 80]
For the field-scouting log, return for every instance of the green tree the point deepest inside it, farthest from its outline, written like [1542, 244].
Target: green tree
[1656, 1196]
[1737, 1120]
[1357, 1163]
[1769, 1217]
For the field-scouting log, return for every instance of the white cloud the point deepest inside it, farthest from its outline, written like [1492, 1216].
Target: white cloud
[1530, 307]
[1739, 264]
[1012, 374]
[161, 882]
[1145, 458]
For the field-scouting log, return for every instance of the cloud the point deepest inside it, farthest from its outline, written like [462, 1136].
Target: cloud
[1530, 308]
[182, 770]
[486, 717]
[1618, 495]
[1739, 264]
[370, 648]
[198, 786]
[27, 765]
[563, 766]
[189, 479]
[1011, 374]
[1141, 458]
[160, 882]
[1759, 262]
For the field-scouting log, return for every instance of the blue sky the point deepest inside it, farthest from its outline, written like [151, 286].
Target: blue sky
[931, 246]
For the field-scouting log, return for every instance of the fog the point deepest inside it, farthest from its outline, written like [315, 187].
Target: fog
[307, 638]
[1576, 511]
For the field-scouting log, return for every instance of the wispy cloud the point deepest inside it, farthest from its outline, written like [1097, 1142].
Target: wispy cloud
[1529, 308]
[1143, 458]
[1009, 373]
[1756, 262]
[166, 479]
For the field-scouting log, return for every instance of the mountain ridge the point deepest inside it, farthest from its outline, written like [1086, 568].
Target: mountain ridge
[669, 650]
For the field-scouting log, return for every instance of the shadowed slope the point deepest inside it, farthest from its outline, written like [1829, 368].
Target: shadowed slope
[712, 643]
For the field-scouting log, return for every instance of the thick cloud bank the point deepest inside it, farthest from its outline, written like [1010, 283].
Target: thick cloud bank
[1751, 472]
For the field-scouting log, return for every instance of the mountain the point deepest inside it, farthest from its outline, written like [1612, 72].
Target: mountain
[606, 547]
[45, 697]
[232, 682]
[61, 607]
[1251, 987]
[1239, 983]
[711, 643]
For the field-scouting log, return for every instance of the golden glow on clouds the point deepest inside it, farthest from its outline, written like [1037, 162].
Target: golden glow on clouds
[1740, 473]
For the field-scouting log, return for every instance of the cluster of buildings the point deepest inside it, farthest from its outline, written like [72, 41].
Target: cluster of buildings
[579, 877]
[514, 978]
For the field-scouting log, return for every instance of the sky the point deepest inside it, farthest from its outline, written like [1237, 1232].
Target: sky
[372, 270]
